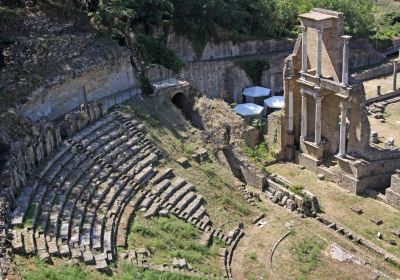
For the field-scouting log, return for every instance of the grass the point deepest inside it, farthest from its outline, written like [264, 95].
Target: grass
[307, 252]
[253, 256]
[29, 215]
[176, 137]
[38, 270]
[336, 204]
[169, 238]
[260, 153]
[296, 189]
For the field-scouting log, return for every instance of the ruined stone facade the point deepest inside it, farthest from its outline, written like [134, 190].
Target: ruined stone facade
[325, 125]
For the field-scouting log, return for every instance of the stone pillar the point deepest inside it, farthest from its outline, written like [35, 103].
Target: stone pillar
[303, 114]
[319, 53]
[304, 49]
[395, 75]
[342, 141]
[378, 90]
[318, 101]
[290, 124]
[345, 63]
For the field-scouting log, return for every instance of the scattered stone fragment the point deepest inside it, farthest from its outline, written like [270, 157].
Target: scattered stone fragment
[396, 232]
[379, 235]
[392, 242]
[389, 143]
[259, 217]
[357, 210]
[200, 155]
[183, 161]
[376, 221]
[261, 223]
[374, 137]
[321, 177]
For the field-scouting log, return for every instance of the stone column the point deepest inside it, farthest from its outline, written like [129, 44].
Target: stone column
[318, 101]
[319, 53]
[395, 75]
[342, 141]
[290, 88]
[304, 49]
[345, 63]
[303, 114]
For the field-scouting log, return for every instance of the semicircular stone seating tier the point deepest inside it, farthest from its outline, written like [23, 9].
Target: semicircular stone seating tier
[81, 202]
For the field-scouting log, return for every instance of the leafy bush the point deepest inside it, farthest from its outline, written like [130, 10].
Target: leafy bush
[154, 51]
[296, 189]
[260, 153]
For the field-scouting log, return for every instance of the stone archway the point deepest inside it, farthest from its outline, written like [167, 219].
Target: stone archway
[178, 99]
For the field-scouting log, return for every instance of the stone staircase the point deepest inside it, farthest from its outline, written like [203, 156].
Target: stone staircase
[72, 206]
[81, 203]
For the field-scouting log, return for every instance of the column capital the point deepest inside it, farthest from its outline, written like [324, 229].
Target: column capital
[346, 38]
[303, 28]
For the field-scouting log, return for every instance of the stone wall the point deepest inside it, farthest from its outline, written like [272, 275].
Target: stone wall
[375, 72]
[243, 169]
[31, 142]
[362, 54]
[392, 194]
[226, 49]
[222, 79]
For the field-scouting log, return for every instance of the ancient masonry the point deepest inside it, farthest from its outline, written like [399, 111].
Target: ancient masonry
[325, 124]
[85, 192]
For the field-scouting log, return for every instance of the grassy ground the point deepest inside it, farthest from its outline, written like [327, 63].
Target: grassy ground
[176, 137]
[301, 255]
[336, 203]
[34, 269]
[391, 127]
[169, 238]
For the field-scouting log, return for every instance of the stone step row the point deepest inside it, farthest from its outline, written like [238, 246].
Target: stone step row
[68, 180]
[48, 173]
[71, 173]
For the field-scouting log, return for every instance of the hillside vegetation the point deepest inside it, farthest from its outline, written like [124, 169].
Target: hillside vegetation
[206, 20]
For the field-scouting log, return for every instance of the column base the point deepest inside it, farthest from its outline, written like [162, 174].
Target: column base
[341, 156]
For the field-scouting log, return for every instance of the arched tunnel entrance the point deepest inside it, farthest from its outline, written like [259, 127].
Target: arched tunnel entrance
[185, 103]
[179, 100]
[4, 151]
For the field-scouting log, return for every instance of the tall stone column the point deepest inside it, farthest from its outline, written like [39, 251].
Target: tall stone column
[319, 53]
[303, 114]
[345, 63]
[342, 141]
[290, 88]
[304, 49]
[318, 101]
[395, 75]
